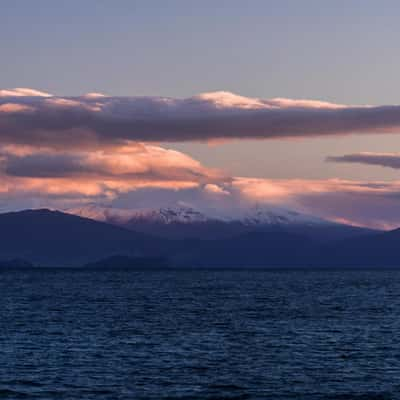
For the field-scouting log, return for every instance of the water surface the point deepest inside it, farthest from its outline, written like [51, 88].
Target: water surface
[199, 334]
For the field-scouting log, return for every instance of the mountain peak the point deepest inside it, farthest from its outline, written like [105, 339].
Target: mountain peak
[273, 215]
[168, 215]
[256, 215]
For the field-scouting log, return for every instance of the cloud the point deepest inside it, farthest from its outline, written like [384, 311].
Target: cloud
[68, 151]
[197, 197]
[14, 108]
[38, 119]
[142, 176]
[23, 92]
[365, 203]
[390, 160]
[100, 175]
[215, 189]
[372, 204]
[136, 161]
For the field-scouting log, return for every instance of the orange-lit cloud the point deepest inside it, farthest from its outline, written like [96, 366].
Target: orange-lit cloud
[11, 108]
[215, 189]
[365, 203]
[23, 92]
[104, 174]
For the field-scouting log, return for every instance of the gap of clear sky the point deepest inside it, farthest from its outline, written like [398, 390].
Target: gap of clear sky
[338, 51]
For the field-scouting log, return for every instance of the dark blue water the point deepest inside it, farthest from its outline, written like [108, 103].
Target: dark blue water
[205, 334]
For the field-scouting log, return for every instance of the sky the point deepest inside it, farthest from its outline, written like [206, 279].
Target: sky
[194, 108]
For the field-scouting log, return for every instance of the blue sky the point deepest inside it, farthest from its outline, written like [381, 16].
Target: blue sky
[342, 51]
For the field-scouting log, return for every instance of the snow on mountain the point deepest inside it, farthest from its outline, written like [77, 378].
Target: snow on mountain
[165, 215]
[98, 212]
[271, 215]
[168, 215]
[257, 215]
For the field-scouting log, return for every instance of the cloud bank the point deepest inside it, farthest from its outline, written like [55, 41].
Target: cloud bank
[33, 118]
[142, 175]
[365, 203]
[58, 178]
[65, 152]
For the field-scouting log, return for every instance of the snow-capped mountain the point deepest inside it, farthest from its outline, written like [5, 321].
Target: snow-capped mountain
[271, 215]
[181, 221]
[254, 216]
[170, 215]
[164, 215]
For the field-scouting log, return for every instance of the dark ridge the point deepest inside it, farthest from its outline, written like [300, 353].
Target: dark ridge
[54, 239]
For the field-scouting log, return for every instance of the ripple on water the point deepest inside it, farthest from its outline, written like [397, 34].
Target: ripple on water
[312, 335]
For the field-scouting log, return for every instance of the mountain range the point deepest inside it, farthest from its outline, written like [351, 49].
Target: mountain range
[184, 237]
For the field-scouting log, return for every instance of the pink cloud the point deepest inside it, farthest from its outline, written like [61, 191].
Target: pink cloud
[364, 203]
[14, 108]
[88, 175]
[23, 92]
[61, 179]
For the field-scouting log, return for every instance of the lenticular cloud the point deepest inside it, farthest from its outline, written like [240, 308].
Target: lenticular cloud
[34, 118]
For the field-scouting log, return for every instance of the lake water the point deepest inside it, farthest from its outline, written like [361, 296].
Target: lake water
[199, 334]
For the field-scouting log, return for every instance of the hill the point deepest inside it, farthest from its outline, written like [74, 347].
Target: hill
[53, 238]
[377, 250]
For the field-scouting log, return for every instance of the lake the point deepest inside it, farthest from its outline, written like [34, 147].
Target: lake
[199, 334]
